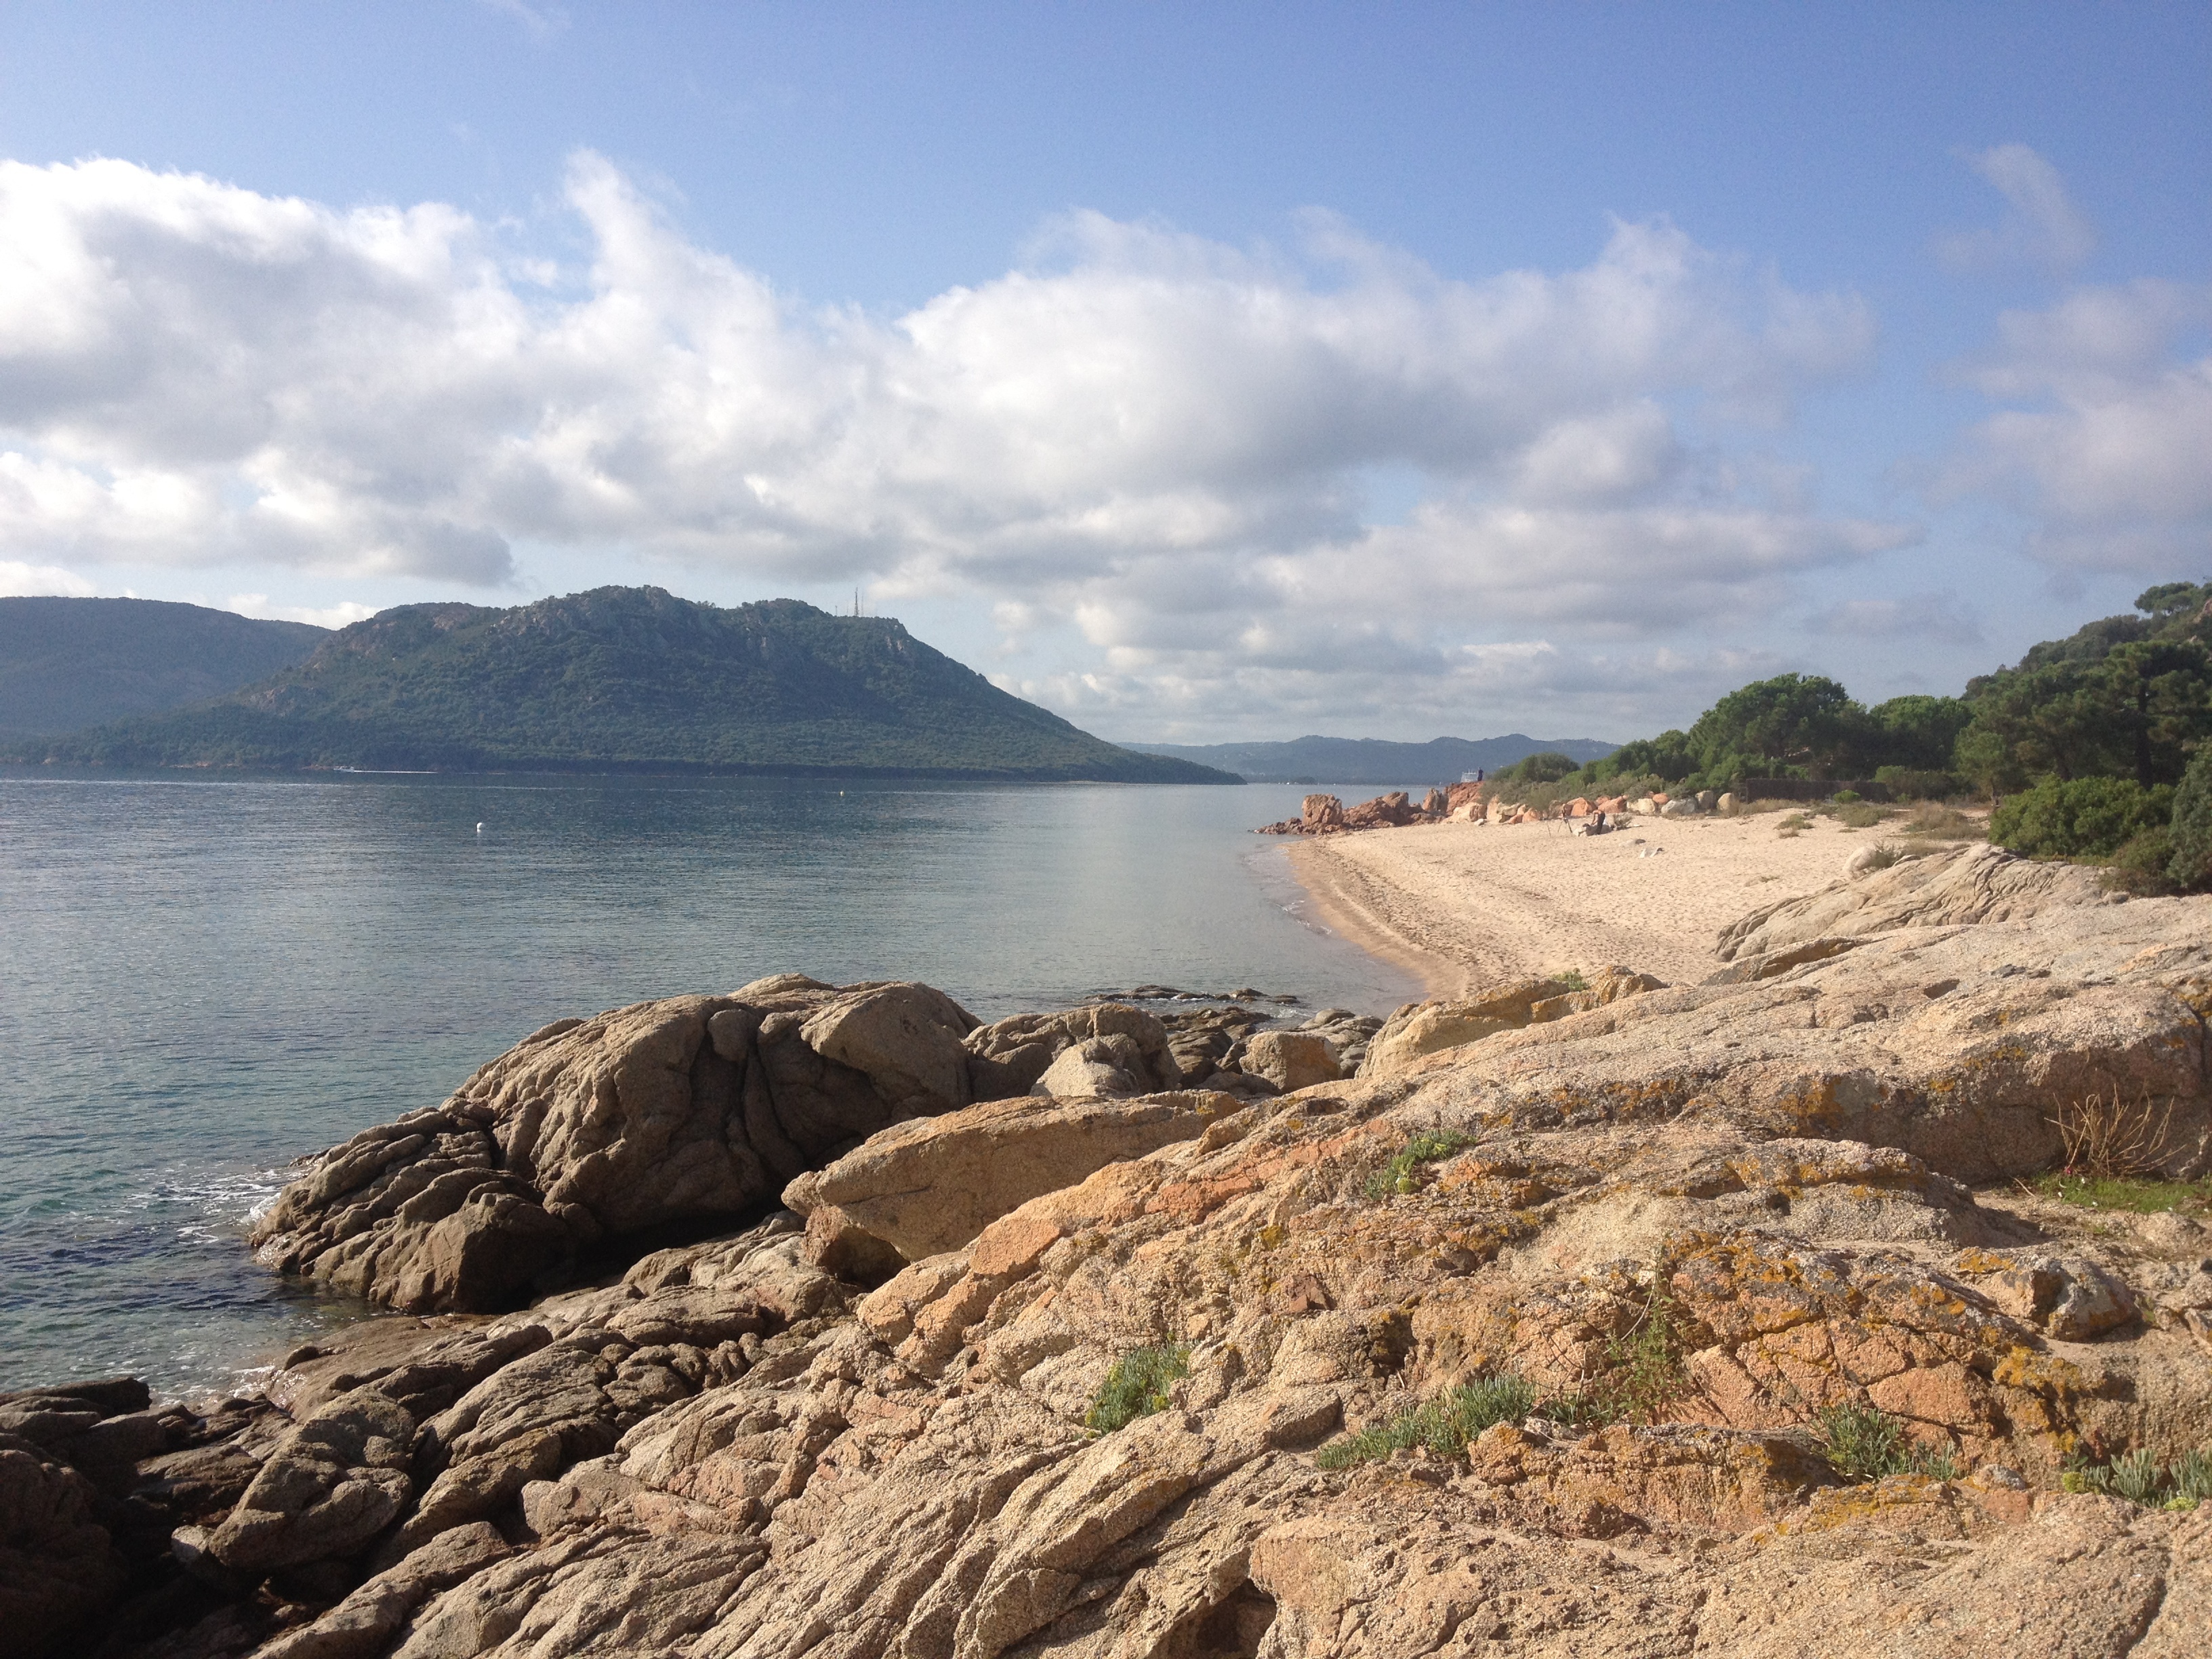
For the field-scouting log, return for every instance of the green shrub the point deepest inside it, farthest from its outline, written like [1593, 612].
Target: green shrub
[1856, 814]
[2190, 827]
[1400, 1174]
[1444, 1426]
[2089, 817]
[1848, 797]
[1573, 980]
[1136, 1387]
[2140, 866]
[1885, 855]
[1864, 1442]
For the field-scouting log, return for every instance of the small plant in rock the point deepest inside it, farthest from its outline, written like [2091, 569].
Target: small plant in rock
[1137, 1386]
[1795, 823]
[1403, 1173]
[1444, 1424]
[1573, 980]
[1644, 1362]
[1865, 1442]
[1885, 855]
[2139, 1477]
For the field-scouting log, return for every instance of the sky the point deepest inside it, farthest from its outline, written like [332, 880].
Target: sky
[1204, 372]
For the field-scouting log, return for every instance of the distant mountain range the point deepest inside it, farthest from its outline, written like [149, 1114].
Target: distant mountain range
[1370, 760]
[616, 680]
[67, 663]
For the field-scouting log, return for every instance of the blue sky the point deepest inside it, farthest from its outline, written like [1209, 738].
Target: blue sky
[1204, 372]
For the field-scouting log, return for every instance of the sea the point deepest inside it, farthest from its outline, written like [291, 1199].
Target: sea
[204, 979]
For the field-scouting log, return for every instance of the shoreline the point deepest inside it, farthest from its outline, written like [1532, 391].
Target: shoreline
[1458, 906]
[1357, 918]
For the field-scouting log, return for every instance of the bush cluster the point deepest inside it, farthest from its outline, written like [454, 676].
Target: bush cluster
[2102, 739]
[2089, 817]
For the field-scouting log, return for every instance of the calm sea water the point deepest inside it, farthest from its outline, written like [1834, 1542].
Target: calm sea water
[202, 979]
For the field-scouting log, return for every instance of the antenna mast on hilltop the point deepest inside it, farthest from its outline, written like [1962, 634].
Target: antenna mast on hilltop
[856, 604]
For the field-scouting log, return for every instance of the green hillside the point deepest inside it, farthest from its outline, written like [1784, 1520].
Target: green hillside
[68, 663]
[626, 679]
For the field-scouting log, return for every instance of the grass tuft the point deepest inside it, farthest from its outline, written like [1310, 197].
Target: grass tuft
[2134, 1196]
[1444, 1424]
[1864, 1442]
[1573, 980]
[1937, 821]
[1137, 1386]
[1886, 855]
[2140, 1478]
[2104, 1138]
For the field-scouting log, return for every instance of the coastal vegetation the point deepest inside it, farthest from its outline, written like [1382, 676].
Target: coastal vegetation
[625, 679]
[2093, 748]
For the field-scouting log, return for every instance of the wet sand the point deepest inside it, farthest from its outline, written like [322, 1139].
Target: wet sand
[1459, 906]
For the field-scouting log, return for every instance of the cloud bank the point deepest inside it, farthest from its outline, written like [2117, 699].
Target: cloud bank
[2105, 447]
[1160, 446]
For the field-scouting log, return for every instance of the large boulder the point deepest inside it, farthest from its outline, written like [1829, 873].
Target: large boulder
[671, 1113]
[1292, 1059]
[1012, 1056]
[334, 1482]
[1427, 1028]
[931, 1185]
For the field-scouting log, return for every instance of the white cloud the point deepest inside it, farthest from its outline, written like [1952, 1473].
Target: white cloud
[1922, 616]
[2109, 458]
[1159, 439]
[328, 616]
[2044, 226]
[20, 580]
[542, 23]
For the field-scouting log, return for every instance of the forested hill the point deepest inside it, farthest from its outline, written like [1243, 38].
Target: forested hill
[623, 679]
[67, 663]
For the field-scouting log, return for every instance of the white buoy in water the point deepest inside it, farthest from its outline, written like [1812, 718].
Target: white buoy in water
[480, 829]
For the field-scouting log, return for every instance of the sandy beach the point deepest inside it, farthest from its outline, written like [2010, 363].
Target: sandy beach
[1459, 905]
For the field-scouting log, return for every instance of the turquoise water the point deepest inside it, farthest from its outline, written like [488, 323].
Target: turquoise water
[202, 979]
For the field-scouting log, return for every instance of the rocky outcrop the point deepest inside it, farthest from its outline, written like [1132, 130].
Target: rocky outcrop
[1130, 1380]
[1327, 815]
[682, 1111]
[1954, 888]
[331, 1485]
[1427, 1028]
